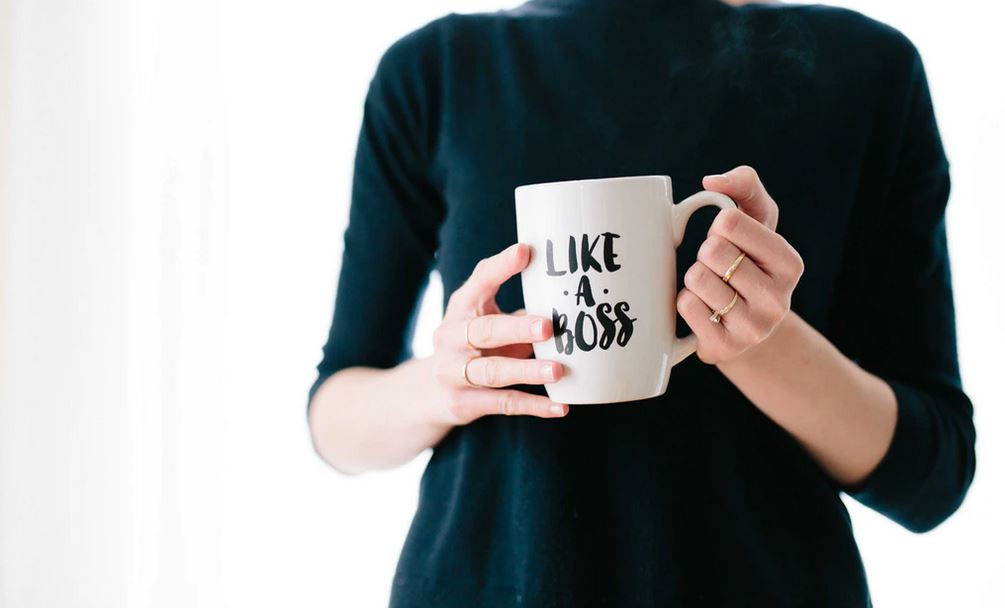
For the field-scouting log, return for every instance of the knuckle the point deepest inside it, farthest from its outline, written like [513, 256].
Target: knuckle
[440, 373]
[785, 275]
[482, 330]
[712, 249]
[791, 266]
[508, 403]
[706, 250]
[490, 372]
[681, 304]
[691, 276]
[455, 299]
[687, 303]
[439, 336]
[798, 265]
[699, 277]
[746, 171]
[727, 221]
[480, 269]
[772, 207]
[705, 278]
[459, 409]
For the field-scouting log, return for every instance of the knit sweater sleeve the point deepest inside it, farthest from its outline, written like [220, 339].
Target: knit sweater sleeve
[394, 214]
[904, 328]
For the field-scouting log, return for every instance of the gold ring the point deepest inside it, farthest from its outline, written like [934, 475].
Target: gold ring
[464, 372]
[732, 267]
[467, 337]
[719, 314]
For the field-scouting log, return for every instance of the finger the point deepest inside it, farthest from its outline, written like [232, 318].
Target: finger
[719, 254]
[710, 335]
[472, 403]
[489, 274]
[513, 351]
[765, 247]
[744, 186]
[744, 324]
[495, 372]
[521, 350]
[491, 331]
[708, 286]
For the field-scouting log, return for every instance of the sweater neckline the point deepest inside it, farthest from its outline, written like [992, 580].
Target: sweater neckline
[624, 6]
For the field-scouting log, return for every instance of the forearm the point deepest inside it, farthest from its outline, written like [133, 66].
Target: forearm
[364, 418]
[841, 414]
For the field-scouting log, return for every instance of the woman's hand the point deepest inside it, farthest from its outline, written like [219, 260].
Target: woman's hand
[496, 346]
[763, 281]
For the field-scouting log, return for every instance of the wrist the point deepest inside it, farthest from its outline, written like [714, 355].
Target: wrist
[756, 355]
[429, 411]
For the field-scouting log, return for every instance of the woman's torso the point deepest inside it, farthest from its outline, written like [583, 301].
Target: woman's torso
[694, 497]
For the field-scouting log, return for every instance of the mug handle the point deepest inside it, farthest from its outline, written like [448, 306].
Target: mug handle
[679, 216]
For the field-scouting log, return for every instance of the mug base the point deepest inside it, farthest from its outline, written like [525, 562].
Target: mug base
[605, 400]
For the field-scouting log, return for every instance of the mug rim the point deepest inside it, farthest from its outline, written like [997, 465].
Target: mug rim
[591, 180]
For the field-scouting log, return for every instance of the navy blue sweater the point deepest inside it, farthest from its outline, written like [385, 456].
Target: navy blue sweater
[696, 497]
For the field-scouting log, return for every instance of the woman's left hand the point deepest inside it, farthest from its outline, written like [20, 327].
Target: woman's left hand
[763, 281]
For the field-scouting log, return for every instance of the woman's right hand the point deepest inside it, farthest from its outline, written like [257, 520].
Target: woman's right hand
[497, 349]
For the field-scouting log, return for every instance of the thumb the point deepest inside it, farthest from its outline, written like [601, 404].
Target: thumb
[743, 185]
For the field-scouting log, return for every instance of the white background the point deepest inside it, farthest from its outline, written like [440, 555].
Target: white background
[173, 186]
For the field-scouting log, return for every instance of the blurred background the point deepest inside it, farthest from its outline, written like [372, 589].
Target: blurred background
[174, 179]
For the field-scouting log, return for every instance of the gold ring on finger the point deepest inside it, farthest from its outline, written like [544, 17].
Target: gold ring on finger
[467, 334]
[719, 314]
[464, 372]
[732, 267]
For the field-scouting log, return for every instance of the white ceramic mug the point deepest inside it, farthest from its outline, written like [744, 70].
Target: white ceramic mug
[603, 268]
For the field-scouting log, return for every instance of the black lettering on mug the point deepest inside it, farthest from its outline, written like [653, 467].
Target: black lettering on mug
[563, 336]
[627, 323]
[550, 256]
[615, 325]
[608, 324]
[581, 341]
[609, 254]
[587, 248]
[585, 292]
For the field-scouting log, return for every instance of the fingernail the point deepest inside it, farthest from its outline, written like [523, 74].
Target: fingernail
[548, 371]
[721, 178]
[537, 328]
[557, 410]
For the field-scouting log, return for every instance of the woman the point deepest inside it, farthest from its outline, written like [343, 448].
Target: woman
[835, 371]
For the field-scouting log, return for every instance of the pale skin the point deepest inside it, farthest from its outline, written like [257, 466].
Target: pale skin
[844, 416]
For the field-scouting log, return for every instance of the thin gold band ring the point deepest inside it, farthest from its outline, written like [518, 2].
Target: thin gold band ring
[467, 336]
[464, 372]
[732, 267]
[719, 314]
